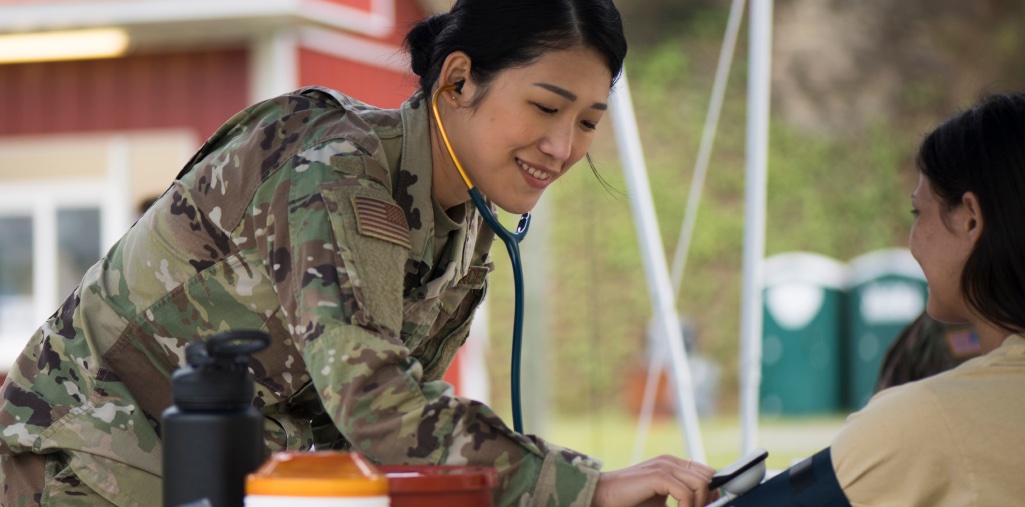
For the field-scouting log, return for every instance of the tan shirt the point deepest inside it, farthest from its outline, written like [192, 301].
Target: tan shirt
[956, 439]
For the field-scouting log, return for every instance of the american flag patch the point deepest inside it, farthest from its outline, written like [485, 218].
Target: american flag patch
[963, 343]
[382, 220]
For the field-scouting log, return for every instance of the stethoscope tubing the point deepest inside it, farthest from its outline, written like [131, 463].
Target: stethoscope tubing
[511, 240]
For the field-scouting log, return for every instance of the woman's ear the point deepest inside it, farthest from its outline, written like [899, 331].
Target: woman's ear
[972, 220]
[456, 71]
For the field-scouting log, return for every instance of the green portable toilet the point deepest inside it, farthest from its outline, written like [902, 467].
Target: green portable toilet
[887, 291]
[802, 322]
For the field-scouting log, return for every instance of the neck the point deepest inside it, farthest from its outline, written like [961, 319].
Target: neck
[449, 187]
[990, 335]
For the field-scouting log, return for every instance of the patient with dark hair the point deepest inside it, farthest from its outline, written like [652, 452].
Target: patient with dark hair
[924, 348]
[954, 438]
[957, 438]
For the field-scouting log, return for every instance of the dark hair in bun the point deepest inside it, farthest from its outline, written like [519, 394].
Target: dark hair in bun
[501, 34]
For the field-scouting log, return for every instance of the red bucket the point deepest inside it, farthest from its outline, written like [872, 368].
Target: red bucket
[439, 485]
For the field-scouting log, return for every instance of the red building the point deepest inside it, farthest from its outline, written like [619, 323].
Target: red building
[87, 139]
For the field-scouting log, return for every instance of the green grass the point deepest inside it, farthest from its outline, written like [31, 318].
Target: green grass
[611, 438]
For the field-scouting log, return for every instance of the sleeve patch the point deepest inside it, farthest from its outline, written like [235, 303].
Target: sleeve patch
[382, 220]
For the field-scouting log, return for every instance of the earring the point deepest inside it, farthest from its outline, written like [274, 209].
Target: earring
[453, 96]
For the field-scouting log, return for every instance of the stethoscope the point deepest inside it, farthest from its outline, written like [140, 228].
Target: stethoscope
[512, 244]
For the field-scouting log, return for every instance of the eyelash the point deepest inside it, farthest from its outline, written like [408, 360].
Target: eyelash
[547, 110]
[915, 212]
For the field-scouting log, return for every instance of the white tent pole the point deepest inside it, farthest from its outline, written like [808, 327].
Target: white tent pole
[628, 141]
[537, 342]
[759, 76]
[697, 182]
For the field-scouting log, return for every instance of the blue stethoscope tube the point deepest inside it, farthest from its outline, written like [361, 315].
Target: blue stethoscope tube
[512, 244]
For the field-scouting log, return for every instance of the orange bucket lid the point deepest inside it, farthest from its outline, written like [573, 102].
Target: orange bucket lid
[414, 479]
[319, 474]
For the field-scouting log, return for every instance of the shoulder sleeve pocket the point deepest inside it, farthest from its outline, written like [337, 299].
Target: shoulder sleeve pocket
[372, 238]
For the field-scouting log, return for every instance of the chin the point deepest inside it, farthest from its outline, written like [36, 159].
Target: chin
[518, 207]
[945, 315]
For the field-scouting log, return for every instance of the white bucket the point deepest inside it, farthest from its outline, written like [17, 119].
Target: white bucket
[315, 501]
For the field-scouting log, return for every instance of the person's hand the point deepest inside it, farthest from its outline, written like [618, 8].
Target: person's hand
[652, 482]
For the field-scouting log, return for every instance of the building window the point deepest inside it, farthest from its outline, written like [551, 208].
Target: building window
[44, 253]
[16, 292]
[78, 245]
[57, 219]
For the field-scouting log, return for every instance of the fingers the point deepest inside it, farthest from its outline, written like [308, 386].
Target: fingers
[658, 478]
[687, 480]
[691, 480]
[713, 496]
[690, 483]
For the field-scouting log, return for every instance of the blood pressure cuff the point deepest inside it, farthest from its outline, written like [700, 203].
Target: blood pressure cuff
[810, 483]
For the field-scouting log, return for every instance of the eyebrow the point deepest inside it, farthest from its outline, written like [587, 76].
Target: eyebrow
[570, 96]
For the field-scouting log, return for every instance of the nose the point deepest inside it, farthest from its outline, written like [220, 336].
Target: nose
[558, 142]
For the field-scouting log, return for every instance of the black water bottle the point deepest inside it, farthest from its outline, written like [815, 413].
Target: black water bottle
[212, 434]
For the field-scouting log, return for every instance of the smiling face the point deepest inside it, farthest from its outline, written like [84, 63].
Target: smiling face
[532, 125]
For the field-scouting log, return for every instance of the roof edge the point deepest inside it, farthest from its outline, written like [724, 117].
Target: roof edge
[20, 18]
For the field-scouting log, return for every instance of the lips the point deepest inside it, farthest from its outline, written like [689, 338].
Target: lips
[539, 174]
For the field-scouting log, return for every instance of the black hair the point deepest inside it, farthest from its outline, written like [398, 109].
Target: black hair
[503, 34]
[982, 151]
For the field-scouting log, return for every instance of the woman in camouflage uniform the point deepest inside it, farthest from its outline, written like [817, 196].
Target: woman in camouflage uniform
[344, 232]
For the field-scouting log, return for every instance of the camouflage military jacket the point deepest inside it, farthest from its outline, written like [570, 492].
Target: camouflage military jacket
[310, 217]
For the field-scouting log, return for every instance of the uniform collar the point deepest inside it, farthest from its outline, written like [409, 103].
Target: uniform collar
[415, 184]
[413, 189]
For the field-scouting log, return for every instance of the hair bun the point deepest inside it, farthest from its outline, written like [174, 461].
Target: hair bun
[420, 42]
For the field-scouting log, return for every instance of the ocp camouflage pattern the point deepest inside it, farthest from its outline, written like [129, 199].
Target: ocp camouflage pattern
[260, 232]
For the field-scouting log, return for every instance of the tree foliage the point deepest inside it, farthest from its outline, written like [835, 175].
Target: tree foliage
[840, 169]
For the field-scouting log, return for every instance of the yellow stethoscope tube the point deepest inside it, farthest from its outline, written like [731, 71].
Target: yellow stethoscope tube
[444, 135]
[511, 240]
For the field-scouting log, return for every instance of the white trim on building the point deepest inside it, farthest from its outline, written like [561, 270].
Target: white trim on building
[377, 54]
[379, 21]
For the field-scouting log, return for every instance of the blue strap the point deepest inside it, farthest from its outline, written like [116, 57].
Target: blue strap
[810, 483]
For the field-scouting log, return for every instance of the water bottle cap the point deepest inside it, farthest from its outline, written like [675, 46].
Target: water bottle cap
[217, 376]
